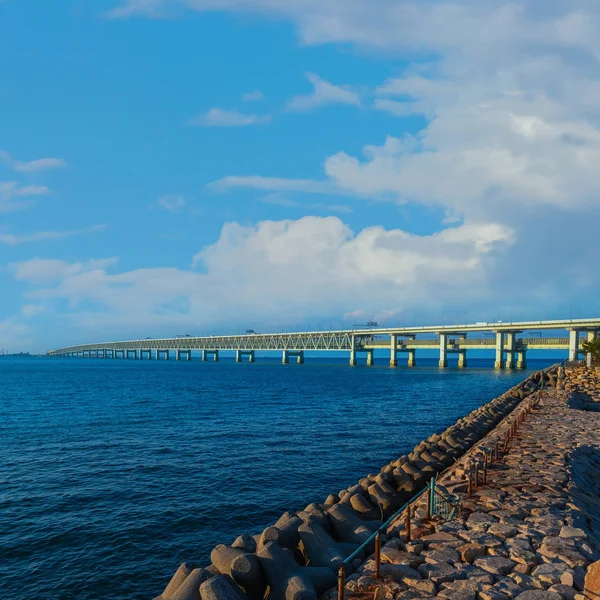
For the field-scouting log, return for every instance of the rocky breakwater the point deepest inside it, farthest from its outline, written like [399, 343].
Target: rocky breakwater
[298, 558]
[531, 531]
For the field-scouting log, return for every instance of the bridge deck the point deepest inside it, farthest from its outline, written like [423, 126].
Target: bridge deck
[364, 339]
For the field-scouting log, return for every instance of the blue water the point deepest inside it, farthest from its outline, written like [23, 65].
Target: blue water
[114, 472]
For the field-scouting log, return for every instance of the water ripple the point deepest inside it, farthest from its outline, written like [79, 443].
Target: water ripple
[113, 472]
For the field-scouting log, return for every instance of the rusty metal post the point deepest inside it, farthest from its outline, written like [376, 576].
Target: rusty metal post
[429, 499]
[485, 466]
[377, 554]
[407, 525]
[341, 582]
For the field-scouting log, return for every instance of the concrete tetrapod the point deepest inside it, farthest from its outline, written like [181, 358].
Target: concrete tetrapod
[243, 567]
[361, 505]
[180, 576]
[284, 532]
[245, 542]
[220, 587]
[288, 580]
[190, 588]
[348, 527]
[321, 549]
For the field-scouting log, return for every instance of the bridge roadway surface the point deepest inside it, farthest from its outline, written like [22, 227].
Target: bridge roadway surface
[510, 349]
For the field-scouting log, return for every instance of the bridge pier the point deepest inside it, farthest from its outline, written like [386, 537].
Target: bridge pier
[462, 359]
[159, 352]
[510, 350]
[393, 349]
[149, 352]
[187, 353]
[117, 352]
[206, 353]
[499, 363]
[370, 358]
[443, 350]
[285, 359]
[521, 359]
[591, 336]
[574, 344]
[412, 358]
[239, 355]
[128, 352]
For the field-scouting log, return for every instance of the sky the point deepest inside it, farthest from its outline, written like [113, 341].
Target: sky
[172, 167]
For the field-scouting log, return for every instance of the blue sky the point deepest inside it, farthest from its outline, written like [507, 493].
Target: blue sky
[171, 166]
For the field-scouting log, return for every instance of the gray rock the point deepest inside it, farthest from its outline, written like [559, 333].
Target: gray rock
[496, 565]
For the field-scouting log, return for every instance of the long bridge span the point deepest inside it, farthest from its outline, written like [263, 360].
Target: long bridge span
[511, 341]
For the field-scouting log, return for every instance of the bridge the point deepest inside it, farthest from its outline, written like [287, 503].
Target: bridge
[506, 338]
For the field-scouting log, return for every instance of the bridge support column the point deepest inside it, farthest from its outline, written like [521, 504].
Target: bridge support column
[203, 355]
[521, 360]
[353, 352]
[591, 336]
[239, 355]
[393, 348]
[299, 354]
[370, 358]
[573, 345]
[157, 354]
[510, 350]
[186, 353]
[412, 358]
[443, 350]
[462, 359]
[148, 352]
[499, 363]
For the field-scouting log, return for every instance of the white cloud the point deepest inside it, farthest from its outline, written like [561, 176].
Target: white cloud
[219, 117]
[335, 208]
[34, 166]
[149, 8]
[279, 199]
[172, 202]
[43, 270]
[12, 194]
[254, 96]
[13, 189]
[40, 236]
[31, 310]
[272, 184]
[278, 268]
[324, 93]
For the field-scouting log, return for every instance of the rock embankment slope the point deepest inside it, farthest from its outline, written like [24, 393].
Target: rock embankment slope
[532, 532]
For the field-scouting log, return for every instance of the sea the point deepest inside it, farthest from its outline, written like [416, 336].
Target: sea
[113, 472]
